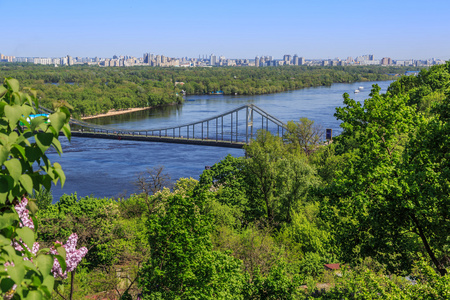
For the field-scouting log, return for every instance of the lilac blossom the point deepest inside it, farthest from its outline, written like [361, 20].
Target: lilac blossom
[73, 256]
[23, 212]
[19, 247]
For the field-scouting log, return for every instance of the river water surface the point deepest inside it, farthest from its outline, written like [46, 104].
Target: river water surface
[108, 168]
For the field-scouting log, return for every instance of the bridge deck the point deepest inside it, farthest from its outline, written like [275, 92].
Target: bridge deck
[162, 139]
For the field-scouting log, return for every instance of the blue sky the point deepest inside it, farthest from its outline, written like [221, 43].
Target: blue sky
[236, 29]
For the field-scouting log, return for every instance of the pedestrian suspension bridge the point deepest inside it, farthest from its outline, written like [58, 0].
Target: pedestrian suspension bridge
[233, 129]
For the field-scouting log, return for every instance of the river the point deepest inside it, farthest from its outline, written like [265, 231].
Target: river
[109, 168]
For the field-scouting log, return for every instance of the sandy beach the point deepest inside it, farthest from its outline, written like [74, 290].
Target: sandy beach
[116, 112]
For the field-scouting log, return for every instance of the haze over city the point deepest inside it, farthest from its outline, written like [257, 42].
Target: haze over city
[235, 29]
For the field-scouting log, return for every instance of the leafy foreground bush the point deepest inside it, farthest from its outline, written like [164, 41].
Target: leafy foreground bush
[26, 271]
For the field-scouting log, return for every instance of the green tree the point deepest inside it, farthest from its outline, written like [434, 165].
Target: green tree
[225, 182]
[277, 180]
[304, 134]
[182, 264]
[426, 174]
[363, 202]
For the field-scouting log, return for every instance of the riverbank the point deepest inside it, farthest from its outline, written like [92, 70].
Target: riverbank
[114, 112]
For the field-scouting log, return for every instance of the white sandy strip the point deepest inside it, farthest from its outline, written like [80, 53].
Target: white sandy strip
[116, 112]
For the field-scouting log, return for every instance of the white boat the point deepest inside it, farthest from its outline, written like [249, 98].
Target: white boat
[356, 91]
[361, 88]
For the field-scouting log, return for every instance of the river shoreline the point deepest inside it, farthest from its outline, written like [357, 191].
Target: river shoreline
[117, 112]
[113, 112]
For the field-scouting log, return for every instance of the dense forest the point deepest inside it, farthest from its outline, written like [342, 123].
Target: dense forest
[366, 216]
[93, 90]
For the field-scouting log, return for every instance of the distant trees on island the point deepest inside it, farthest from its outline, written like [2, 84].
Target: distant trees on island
[94, 90]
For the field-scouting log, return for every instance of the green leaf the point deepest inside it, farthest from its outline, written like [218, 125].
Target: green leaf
[4, 138]
[13, 84]
[33, 153]
[6, 284]
[4, 241]
[27, 183]
[35, 222]
[17, 273]
[45, 263]
[47, 285]
[62, 262]
[66, 131]
[2, 107]
[57, 119]
[43, 251]
[35, 281]
[27, 110]
[3, 91]
[21, 150]
[58, 170]
[57, 146]
[13, 114]
[3, 197]
[14, 168]
[44, 140]
[29, 265]
[7, 219]
[12, 137]
[27, 236]
[4, 153]
[66, 111]
[34, 295]
[11, 252]
[61, 257]
[30, 102]
[34, 94]
[47, 182]
[36, 122]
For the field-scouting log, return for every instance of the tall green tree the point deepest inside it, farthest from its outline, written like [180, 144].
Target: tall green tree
[303, 134]
[182, 264]
[363, 201]
[426, 175]
[277, 180]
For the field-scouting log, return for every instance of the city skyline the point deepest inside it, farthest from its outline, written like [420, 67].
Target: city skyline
[319, 30]
[157, 60]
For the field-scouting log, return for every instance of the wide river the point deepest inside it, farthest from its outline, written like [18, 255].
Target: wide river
[109, 168]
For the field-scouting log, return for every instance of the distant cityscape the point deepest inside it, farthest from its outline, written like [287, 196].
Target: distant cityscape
[150, 59]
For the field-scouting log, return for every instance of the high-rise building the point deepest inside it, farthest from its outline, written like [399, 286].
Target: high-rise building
[146, 58]
[287, 59]
[213, 60]
[385, 61]
[295, 60]
[301, 61]
[257, 61]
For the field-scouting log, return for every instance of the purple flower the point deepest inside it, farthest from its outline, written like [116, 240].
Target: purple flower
[23, 212]
[73, 256]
